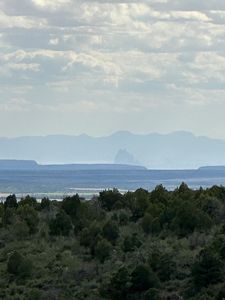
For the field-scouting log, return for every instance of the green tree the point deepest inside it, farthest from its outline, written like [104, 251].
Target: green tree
[21, 230]
[111, 231]
[45, 203]
[103, 250]
[29, 201]
[109, 199]
[184, 192]
[208, 269]
[28, 214]
[189, 218]
[72, 205]
[146, 223]
[119, 284]
[89, 236]
[143, 278]
[131, 242]
[153, 294]
[159, 195]
[8, 216]
[19, 266]
[221, 293]
[163, 264]
[11, 202]
[34, 294]
[139, 201]
[123, 218]
[60, 225]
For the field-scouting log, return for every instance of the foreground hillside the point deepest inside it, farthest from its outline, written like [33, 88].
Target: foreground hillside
[141, 245]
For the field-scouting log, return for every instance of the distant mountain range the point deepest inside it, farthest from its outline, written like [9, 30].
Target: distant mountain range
[178, 150]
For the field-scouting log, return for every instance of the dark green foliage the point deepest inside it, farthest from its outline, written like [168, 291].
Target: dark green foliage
[208, 269]
[221, 293]
[103, 250]
[29, 201]
[45, 203]
[218, 192]
[60, 225]
[119, 286]
[159, 195]
[189, 218]
[71, 205]
[111, 231]
[14, 262]
[163, 264]
[156, 226]
[8, 216]
[11, 202]
[131, 242]
[28, 214]
[155, 209]
[184, 192]
[18, 265]
[146, 223]
[34, 294]
[152, 294]
[123, 218]
[139, 203]
[143, 278]
[21, 230]
[89, 236]
[159, 245]
[110, 199]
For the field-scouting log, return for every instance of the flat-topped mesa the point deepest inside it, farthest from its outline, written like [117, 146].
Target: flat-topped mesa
[33, 165]
[13, 164]
[212, 168]
[87, 167]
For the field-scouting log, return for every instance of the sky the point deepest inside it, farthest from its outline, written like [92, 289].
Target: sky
[96, 67]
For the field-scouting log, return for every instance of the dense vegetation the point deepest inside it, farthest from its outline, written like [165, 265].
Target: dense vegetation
[140, 245]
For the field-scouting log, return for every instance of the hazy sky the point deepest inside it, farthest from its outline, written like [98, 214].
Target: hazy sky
[74, 67]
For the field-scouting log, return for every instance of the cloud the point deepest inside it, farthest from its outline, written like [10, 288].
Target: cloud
[7, 21]
[54, 41]
[127, 56]
[14, 105]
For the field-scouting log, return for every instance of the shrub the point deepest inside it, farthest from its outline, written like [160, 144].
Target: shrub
[29, 215]
[119, 284]
[123, 218]
[30, 201]
[45, 203]
[71, 205]
[111, 231]
[146, 223]
[153, 294]
[18, 265]
[208, 269]
[143, 278]
[131, 242]
[103, 250]
[11, 202]
[108, 199]
[61, 225]
[21, 230]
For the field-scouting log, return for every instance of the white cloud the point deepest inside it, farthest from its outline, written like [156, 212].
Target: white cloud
[124, 56]
[7, 21]
[14, 105]
[51, 4]
[24, 67]
[54, 41]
